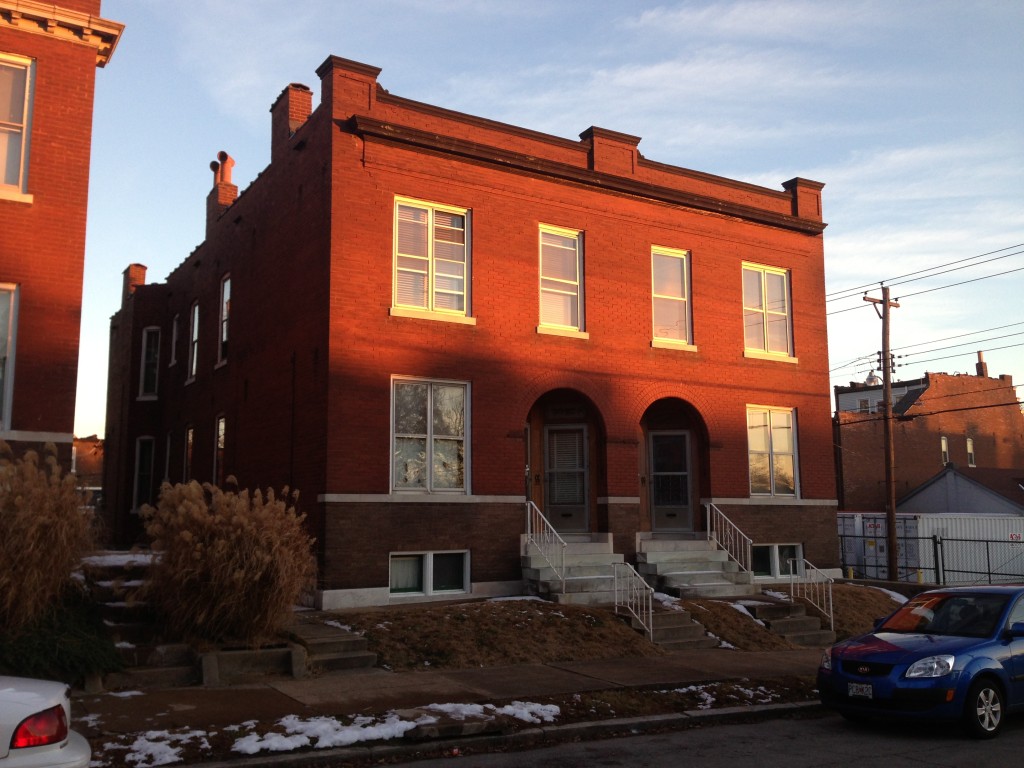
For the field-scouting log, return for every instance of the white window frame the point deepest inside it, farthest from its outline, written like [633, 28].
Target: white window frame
[139, 441]
[402, 263]
[148, 333]
[427, 574]
[944, 449]
[971, 458]
[174, 342]
[220, 432]
[429, 438]
[225, 316]
[779, 569]
[772, 453]
[555, 286]
[193, 341]
[685, 341]
[9, 343]
[766, 313]
[18, 191]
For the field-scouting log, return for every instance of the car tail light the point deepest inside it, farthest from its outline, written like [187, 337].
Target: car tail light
[47, 727]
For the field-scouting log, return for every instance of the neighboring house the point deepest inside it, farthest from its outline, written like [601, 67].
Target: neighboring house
[968, 491]
[422, 319]
[48, 58]
[87, 464]
[971, 421]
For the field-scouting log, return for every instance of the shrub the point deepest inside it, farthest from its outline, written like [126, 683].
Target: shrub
[231, 565]
[44, 532]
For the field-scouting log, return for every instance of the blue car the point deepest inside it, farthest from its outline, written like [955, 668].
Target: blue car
[947, 654]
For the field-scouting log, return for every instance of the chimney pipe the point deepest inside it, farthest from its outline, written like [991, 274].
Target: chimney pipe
[224, 193]
[981, 367]
[134, 276]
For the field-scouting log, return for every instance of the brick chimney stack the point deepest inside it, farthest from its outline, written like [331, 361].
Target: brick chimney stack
[288, 113]
[981, 366]
[224, 193]
[134, 276]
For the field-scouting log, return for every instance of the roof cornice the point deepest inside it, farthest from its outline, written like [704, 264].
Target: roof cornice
[369, 128]
[49, 19]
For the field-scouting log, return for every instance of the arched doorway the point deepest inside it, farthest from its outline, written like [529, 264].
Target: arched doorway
[674, 461]
[565, 459]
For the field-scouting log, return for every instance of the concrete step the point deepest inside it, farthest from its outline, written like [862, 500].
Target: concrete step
[716, 590]
[579, 548]
[580, 584]
[546, 574]
[820, 638]
[156, 654]
[667, 567]
[583, 598]
[794, 625]
[335, 662]
[650, 546]
[115, 590]
[772, 611]
[684, 556]
[593, 558]
[143, 678]
[690, 644]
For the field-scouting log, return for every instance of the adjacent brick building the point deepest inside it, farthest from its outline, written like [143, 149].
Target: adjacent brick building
[48, 58]
[972, 422]
[422, 319]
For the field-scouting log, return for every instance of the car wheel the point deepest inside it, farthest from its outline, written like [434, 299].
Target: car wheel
[983, 710]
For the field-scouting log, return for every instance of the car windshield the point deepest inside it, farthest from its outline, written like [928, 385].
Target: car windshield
[970, 615]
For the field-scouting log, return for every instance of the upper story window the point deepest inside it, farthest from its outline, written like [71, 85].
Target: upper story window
[190, 440]
[225, 311]
[767, 319]
[432, 258]
[15, 121]
[193, 340]
[970, 453]
[429, 426]
[150, 362]
[8, 328]
[174, 342]
[670, 295]
[143, 490]
[219, 437]
[944, 449]
[561, 279]
[771, 445]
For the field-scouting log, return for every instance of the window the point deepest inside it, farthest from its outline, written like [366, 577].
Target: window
[193, 340]
[431, 257]
[190, 437]
[776, 560]
[944, 448]
[219, 432]
[771, 441]
[225, 311]
[970, 452]
[561, 278]
[167, 459]
[429, 436]
[143, 472]
[15, 118]
[864, 405]
[8, 328]
[174, 342]
[766, 314]
[150, 362]
[670, 295]
[429, 573]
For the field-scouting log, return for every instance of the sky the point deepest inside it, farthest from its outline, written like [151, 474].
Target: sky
[910, 113]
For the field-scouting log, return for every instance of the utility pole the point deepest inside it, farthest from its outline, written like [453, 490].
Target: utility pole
[890, 454]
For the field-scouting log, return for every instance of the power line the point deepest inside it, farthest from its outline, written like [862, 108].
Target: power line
[961, 354]
[881, 417]
[963, 282]
[928, 269]
[960, 335]
[962, 344]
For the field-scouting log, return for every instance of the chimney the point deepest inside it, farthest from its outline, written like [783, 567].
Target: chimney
[223, 194]
[981, 366]
[134, 276]
[288, 113]
[611, 151]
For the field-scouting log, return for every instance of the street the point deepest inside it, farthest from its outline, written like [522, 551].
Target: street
[827, 741]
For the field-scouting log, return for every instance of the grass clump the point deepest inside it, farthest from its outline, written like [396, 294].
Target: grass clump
[44, 532]
[231, 565]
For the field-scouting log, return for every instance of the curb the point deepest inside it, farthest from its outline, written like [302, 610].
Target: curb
[530, 737]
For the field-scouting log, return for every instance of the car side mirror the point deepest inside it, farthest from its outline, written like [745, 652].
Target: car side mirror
[1016, 629]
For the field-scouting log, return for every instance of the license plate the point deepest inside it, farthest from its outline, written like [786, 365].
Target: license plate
[859, 690]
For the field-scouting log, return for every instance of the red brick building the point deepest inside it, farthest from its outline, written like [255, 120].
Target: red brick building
[422, 319]
[48, 58]
[972, 422]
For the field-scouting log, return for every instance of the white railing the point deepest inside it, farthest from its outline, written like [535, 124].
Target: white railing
[634, 595]
[726, 535]
[813, 585]
[545, 538]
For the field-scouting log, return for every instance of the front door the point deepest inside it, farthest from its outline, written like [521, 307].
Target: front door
[565, 477]
[669, 454]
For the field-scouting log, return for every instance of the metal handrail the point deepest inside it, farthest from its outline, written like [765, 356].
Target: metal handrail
[634, 595]
[545, 538]
[727, 535]
[813, 585]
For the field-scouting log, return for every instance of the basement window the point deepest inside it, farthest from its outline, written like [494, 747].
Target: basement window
[776, 561]
[429, 573]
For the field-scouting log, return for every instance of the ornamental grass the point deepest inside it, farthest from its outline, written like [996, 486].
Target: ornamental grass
[231, 565]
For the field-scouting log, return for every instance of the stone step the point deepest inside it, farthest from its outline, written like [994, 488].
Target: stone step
[716, 590]
[245, 666]
[593, 558]
[547, 573]
[136, 678]
[106, 566]
[794, 625]
[820, 638]
[650, 546]
[115, 590]
[583, 598]
[579, 548]
[580, 584]
[674, 566]
[335, 662]
[691, 631]
[690, 644]
[156, 654]
[684, 556]
[772, 611]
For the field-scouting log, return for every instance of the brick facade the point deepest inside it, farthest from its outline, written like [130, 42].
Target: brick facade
[955, 407]
[317, 335]
[56, 49]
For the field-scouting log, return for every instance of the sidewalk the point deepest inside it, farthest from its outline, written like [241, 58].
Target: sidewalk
[377, 691]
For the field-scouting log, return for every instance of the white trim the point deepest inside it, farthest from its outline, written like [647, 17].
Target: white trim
[14, 195]
[143, 393]
[673, 344]
[7, 400]
[684, 256]
[580, 285]
[772, 501]
[787, 275]
[778, 357]
[550, 330]
[19, 191]
[415, 497]
[431, 259]
[467, 427]
[29, 436]
[425, 314]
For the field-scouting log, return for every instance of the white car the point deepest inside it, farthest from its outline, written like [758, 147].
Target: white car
[34, 732]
